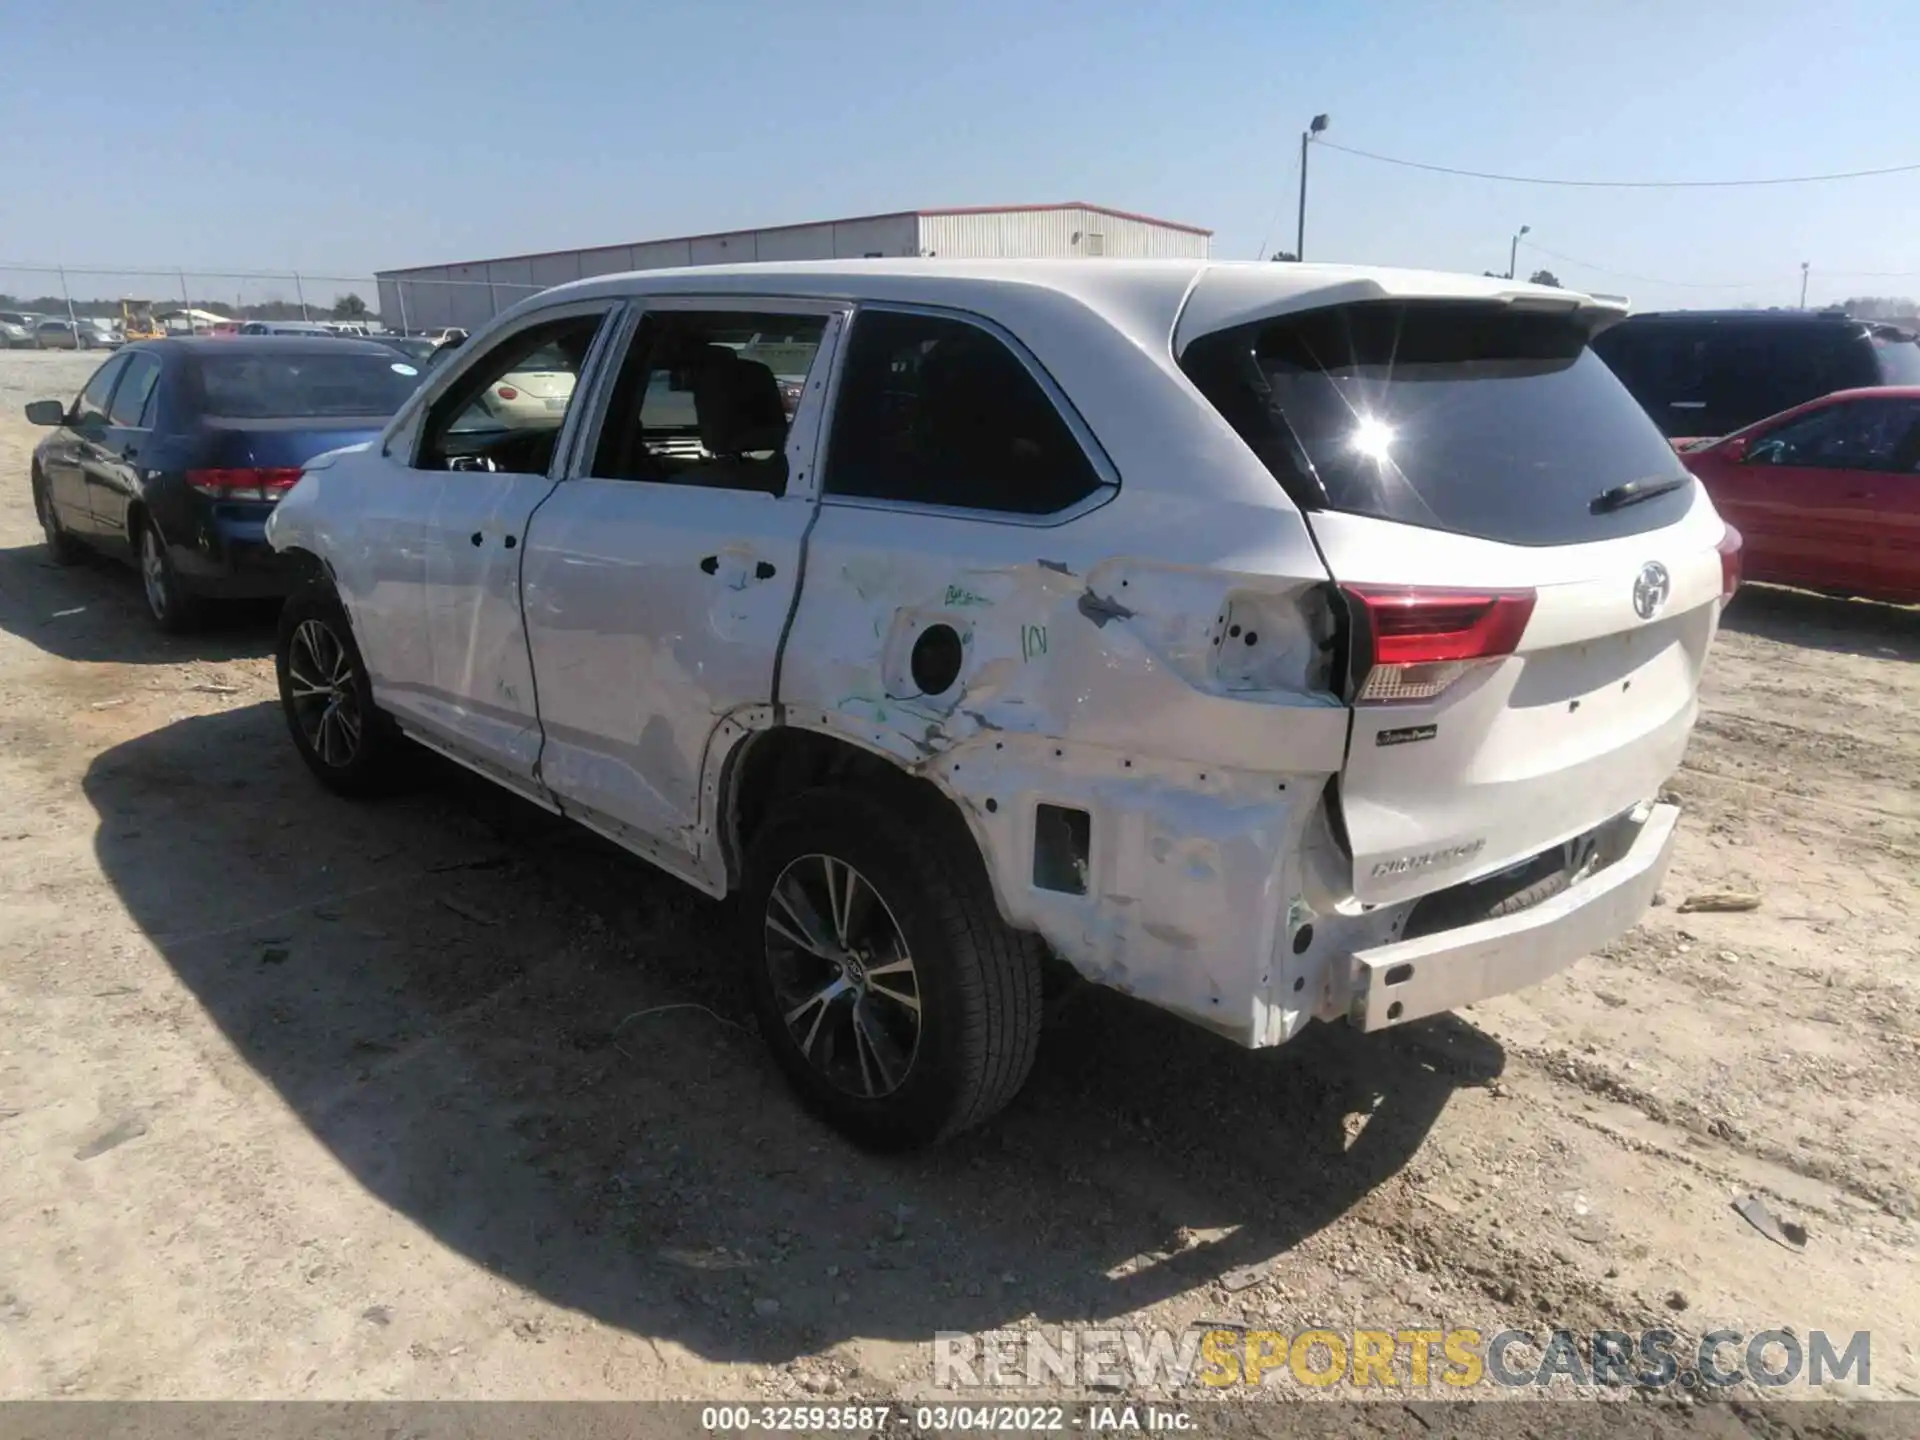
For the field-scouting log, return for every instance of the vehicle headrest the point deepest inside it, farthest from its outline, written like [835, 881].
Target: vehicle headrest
[737, 403]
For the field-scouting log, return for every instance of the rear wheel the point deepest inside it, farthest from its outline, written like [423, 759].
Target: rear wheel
[899, 1004]
[62, 548]
[327, 699]
[173, 609]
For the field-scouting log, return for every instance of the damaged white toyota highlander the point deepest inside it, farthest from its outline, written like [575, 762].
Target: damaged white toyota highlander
[1273, 643]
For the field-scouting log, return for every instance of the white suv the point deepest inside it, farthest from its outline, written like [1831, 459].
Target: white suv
[1270, 642]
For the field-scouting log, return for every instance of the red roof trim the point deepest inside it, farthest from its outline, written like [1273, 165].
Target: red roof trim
[798, 225]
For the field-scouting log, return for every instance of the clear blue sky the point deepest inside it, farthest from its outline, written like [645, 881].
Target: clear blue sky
[342, 136]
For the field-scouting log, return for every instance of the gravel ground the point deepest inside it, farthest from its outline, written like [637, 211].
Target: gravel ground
[442, 1098]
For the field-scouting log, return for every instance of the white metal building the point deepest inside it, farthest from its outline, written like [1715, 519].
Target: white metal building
[470, 293]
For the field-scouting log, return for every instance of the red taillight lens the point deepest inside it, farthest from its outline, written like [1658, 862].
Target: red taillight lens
[254, 483]
[1729, 548]
[507, 392]
[1412, 644]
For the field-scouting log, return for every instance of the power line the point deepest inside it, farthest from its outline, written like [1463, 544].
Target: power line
[1656, 280]
[1620, 184]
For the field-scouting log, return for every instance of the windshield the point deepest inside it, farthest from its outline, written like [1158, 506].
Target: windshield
[304, 384]
[1457, 416]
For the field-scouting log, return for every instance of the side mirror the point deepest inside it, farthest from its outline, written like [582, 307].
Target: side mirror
[46, 412]
[1735, 449]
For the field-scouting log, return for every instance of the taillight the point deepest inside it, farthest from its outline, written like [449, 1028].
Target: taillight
[1729, 548]
[507, 392]
[254, 483]
[1412, 644]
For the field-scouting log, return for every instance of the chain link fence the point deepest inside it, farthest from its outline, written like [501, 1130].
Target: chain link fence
[198, 301]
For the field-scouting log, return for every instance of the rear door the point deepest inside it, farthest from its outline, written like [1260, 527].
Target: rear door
[660, 575]
[1529, 578]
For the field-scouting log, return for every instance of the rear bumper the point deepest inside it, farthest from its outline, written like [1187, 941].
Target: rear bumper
[229, 559]
[1392, 984]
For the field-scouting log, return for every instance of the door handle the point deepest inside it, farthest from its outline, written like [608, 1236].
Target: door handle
[762, 569]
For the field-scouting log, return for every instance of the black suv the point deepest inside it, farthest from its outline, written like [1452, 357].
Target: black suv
[1706, 373]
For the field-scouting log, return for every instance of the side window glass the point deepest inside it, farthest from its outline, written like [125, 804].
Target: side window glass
[935, 411]
[505, 411]
[1903, 456]
[135, 389]
[706, 398]
[1857, 436]
[91, 407]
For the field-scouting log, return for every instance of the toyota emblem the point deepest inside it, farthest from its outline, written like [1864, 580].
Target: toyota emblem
[1650, 590]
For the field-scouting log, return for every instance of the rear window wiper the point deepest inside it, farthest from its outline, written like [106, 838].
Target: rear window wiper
[1633, 492]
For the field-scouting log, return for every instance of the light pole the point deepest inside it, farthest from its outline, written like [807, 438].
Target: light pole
[1314, 127]
[1513, 250]
[1803, 284]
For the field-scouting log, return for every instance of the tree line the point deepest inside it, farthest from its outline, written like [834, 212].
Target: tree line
[344, 307]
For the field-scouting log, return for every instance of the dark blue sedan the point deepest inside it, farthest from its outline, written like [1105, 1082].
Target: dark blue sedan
[175, 452]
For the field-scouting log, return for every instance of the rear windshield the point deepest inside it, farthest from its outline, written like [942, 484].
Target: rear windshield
[307, 383]
[1711, 377]
[1454, 416]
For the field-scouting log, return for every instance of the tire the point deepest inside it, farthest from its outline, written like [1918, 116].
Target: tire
[350, 745]
[1534, 894]
[62, 548]
[975, 1015]
[172, 607]
[1489, 899]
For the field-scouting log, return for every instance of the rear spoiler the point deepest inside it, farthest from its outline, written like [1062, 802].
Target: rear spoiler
[1227, 298]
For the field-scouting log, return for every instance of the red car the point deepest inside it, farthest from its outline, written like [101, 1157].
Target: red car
[1827, 494]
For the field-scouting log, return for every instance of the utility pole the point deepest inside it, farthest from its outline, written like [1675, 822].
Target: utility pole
[1314, 127]
[1803, 284]
[1513, 251]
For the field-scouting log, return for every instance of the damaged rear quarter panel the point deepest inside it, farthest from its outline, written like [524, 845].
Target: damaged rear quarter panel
[1107, 684]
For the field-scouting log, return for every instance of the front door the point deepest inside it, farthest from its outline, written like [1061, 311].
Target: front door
[1807, 493]
[660, 575]
[112, 471]
[487, 450]
[77, 446]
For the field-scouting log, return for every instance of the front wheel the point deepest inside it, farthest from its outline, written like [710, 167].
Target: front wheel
[899, 1004]
[62, 548]
[327, 699]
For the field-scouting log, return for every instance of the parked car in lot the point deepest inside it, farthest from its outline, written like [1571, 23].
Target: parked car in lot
[1272, 642]
[1827, 495]
[415, 349]
[176, 451]
[17, 329]
[56, 334]
[284, 327]
[85, 333]
[1706, 373]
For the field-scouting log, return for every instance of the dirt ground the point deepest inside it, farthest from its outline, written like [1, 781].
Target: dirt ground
[442, 1098]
